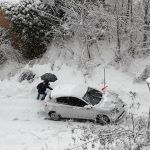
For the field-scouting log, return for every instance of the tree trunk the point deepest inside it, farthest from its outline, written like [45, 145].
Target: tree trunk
[131, 22]
[118, 37]
[128, 8]
[118, 32]
[127, 16]
[146, 23]
[131, 49]
[88, 49]
[122, 5]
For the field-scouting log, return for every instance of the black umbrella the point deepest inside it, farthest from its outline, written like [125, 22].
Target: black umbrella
[49, 77]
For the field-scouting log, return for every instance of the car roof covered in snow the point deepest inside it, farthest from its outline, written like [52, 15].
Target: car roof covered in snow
[72, 90]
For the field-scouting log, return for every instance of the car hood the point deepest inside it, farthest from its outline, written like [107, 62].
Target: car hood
[109, 101]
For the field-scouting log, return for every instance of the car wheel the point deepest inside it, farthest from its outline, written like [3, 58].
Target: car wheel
[54, 116]
[102, 119]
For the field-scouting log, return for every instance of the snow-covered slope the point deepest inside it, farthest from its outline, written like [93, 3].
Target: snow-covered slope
[22, 124]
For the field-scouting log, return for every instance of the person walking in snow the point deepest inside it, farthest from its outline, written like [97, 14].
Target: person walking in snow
[42, 89]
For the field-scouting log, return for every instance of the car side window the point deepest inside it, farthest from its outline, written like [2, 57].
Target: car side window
[73, 101]
[63, 100]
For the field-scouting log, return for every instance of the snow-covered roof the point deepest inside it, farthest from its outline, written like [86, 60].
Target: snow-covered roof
[69, 90]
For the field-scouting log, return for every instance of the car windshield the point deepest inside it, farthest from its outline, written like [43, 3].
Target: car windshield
[92, 96]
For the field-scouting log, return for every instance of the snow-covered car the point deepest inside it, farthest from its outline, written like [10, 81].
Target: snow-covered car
[82, 102]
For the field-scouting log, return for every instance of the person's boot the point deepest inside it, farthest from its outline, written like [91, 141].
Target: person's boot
[43, 97]
[38, 97]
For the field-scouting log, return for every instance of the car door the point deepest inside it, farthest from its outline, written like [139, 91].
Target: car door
[80, 108]
[63, 107]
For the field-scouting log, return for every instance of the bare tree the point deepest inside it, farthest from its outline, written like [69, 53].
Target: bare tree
[118, 31]
[89, 22]
[146, 4]
[130, 19]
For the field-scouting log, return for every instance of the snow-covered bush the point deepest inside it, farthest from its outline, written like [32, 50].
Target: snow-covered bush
[7, 52]
[142, 53]
[111, 137]
[3, 58]
[33, 21]
[131, 133]
[144, 75]
[27, 75]
[122, 62]
[3, 39]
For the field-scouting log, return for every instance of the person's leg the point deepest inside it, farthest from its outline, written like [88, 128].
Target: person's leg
[44, 95]
[38, 96]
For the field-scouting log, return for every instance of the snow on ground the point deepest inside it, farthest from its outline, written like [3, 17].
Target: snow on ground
[22, 126]
[148, 80]
[22, 123]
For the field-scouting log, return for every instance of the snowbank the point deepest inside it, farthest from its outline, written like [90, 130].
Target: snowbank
[148, 80]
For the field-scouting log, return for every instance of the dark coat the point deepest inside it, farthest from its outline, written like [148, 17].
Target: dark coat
[42, 87]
